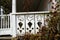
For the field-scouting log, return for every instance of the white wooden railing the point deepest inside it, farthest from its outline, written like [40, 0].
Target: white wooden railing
[5, 28]
[4, 21]
[19, 23]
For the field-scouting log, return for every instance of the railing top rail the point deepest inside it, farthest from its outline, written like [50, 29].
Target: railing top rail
[38, 12]
[5, 15]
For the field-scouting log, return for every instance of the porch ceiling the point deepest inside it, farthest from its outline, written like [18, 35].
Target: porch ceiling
[31, 5]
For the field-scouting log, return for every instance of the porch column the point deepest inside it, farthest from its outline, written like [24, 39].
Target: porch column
[13, 6]
[13, 19]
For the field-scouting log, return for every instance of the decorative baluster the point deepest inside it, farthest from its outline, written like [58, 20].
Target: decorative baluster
[30, 23]
[20, 24]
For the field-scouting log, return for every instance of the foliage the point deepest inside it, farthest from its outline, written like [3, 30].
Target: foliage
[53, 25]
[32, 37]
[6, 5]
[39, 36]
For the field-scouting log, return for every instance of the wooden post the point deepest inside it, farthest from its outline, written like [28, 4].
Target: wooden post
[13, 6]
[12, 19]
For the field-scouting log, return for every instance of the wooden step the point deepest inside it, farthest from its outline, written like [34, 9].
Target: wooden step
[5, 37]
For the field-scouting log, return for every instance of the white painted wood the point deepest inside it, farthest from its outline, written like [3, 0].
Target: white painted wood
[12, 19]
[30, 18]
[38, 18]
[26, 17]
[20, 18]
[38, 12]
[4, 30]
[13, 25]
[34, 18]
[13, 6]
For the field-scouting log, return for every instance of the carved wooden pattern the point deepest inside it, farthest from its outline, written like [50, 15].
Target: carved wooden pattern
[22, 28]
[30, 23]
[38, 22]
[27, 28]
[47, 18]
[20, 24]
[20, 31]
[30, 31]
[32, 28]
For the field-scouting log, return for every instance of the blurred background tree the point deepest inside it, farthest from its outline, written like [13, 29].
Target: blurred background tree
[55, 16]
[54, 22]
[7, 6]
